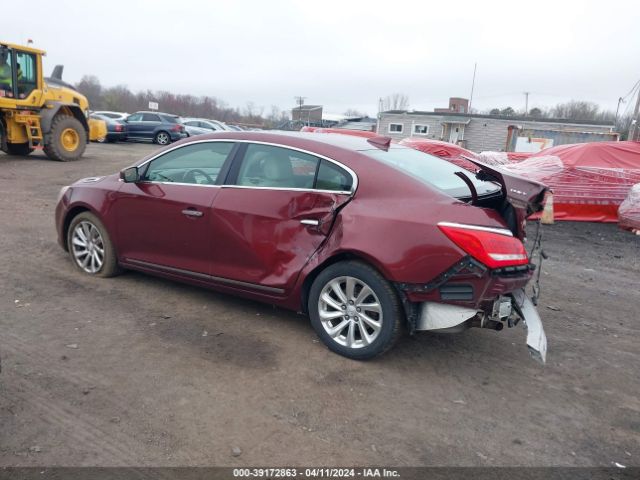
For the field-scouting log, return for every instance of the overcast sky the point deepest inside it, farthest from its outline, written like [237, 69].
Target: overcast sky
[343, 54]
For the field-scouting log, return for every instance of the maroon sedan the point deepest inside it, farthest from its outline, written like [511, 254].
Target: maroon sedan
[366, 237]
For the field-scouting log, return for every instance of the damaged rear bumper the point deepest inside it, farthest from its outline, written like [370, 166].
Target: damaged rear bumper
[509, 309]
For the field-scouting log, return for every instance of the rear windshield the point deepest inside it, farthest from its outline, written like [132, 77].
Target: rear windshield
[432, 171]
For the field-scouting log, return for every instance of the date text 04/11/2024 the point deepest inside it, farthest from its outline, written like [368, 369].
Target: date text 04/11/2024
[324, 472]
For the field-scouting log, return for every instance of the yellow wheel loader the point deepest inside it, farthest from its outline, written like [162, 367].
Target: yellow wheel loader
[41, 113]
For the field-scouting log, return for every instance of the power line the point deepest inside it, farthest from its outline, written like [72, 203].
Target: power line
[631, 91]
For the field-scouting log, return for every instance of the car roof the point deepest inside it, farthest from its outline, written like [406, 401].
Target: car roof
[346, 142]
[327, 144]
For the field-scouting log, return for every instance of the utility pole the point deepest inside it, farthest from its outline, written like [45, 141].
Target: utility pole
[633, 130]
[473, 83]
[526, 103]
[300, 102]
[620, 100]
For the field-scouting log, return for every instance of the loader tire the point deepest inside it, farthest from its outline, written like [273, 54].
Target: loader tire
[21, 149]
[66, 140]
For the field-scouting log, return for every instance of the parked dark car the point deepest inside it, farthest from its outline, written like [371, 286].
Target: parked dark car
[158, 127]
[116, 129]
[366, 237]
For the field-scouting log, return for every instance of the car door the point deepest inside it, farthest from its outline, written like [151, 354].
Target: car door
[134, 125]
[270, 216]
[164, 220]
[150, 122]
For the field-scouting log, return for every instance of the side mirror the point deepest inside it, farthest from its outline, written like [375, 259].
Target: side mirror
[130, 175]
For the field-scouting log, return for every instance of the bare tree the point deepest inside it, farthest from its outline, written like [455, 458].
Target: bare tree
[395, 101]
[576, 110]
[90, 87]
[352, 112]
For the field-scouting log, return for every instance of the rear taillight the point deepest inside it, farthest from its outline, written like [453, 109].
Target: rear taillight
[118, 128]
[494, 247]
[177, 128]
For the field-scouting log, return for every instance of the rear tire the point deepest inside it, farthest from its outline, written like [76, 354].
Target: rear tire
[21, 149]
[67, 139]
[162, 138]
[90, 246]
[354, 310]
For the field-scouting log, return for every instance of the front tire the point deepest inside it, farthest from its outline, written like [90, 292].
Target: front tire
[162, 138]
[67, 139]
[354, 310]
[90, 246]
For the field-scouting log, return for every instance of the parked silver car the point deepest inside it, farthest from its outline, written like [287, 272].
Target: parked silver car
[209, 126]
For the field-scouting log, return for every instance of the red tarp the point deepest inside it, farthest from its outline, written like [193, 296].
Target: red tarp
[594, 179]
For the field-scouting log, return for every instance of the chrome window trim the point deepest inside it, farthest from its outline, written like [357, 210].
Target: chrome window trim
[292, 189]
[354, 176]
[501, 231]
[152, 182]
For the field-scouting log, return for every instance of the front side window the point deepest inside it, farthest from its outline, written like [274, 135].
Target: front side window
[6, 73]
[276, 167]
[421, 129]
[26, 73]
[136, 117]
[395, 128]
[197, 164]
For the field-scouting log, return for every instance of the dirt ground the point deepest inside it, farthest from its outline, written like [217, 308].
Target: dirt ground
[136, 370]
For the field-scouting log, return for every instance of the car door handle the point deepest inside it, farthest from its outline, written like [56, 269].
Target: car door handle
[310, 221]
[191, 212]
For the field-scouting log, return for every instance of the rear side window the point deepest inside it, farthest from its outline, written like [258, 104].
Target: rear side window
[332, 177]
[150, 117]
[432, 171]
[269, 166]
[197, 164]
[170, 119]
[275, 167]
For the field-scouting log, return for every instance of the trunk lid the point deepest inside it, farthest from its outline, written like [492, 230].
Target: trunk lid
[523, 196]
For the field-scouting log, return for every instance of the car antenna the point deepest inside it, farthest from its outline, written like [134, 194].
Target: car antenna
[380, 142]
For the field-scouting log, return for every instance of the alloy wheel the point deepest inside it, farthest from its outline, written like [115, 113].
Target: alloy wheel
[87, 247]
[162, 138]
[350, 312]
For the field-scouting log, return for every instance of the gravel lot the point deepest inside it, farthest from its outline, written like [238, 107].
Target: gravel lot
[137, 370]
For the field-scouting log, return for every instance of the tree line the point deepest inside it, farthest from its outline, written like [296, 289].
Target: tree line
[573, 110]
[121, 99]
